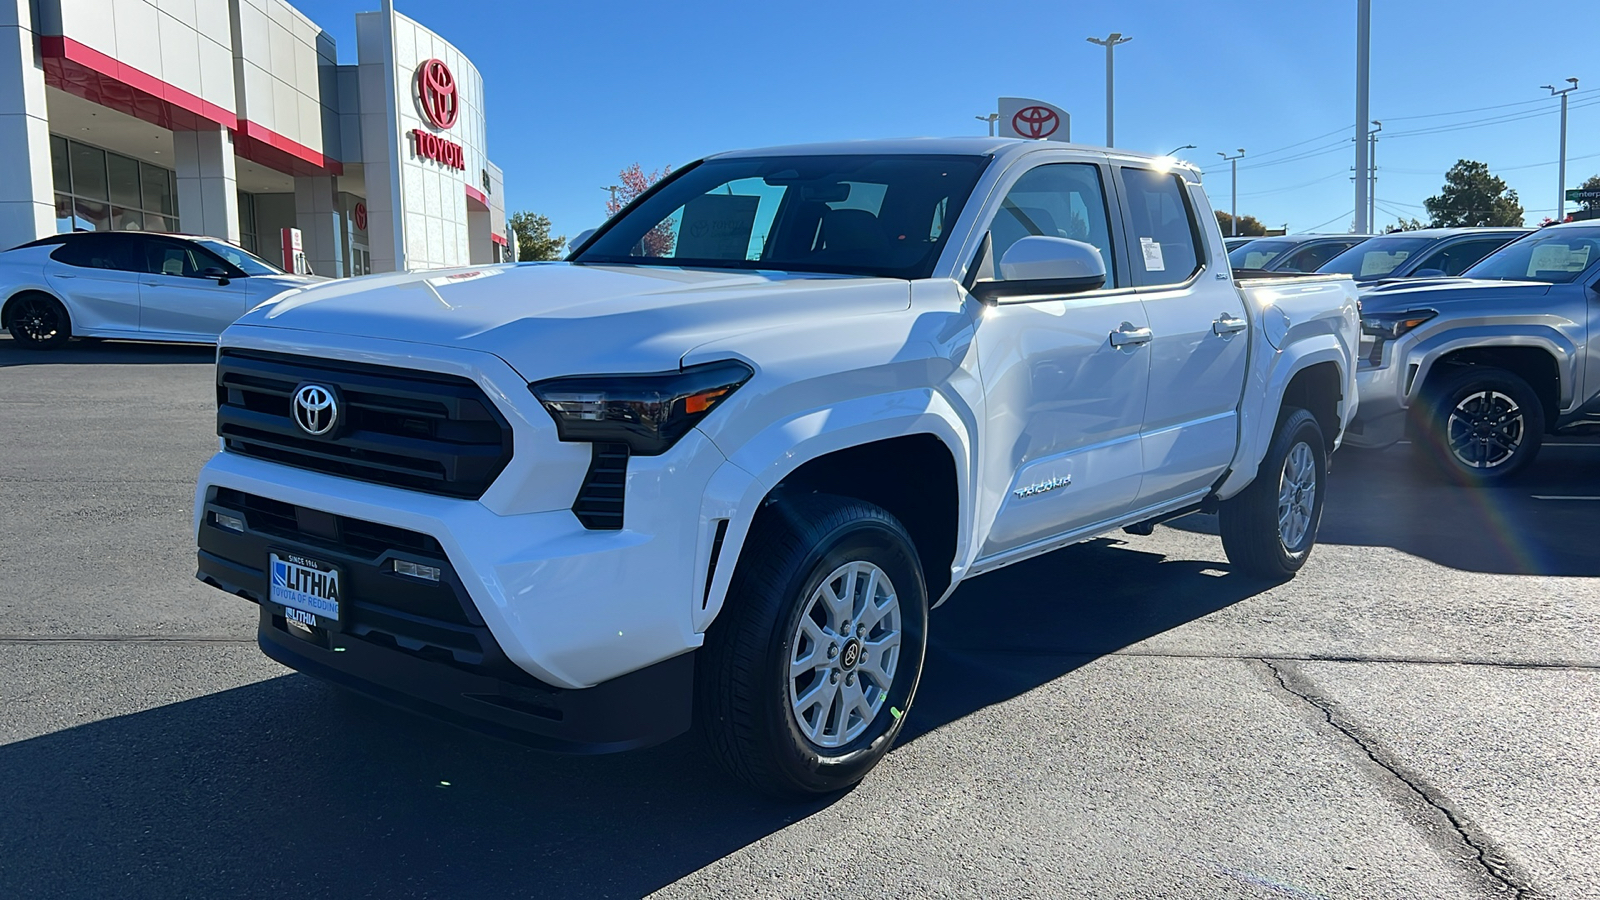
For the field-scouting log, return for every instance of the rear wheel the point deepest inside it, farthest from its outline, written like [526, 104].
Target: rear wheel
[1269, 528]
[809, 671]
[1481, 425]
[38, 321]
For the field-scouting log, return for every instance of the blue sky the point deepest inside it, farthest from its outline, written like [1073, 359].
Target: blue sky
[578, 90]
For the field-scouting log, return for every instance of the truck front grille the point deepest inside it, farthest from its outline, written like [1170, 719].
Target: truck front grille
[422, 431]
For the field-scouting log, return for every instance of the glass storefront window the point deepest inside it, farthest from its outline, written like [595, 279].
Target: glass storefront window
[140, 195]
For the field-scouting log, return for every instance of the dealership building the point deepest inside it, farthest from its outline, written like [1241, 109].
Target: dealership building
[234, 118]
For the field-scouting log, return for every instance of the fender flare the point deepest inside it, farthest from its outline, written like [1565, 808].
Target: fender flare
[1258, 420]
[753, 470]
[1427, 353]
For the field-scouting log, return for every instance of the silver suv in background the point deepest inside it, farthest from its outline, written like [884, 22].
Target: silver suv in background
[1478, 369]
[1426, 253]
[1299, 253]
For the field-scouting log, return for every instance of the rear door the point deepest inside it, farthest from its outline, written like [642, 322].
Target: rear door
[1065, 402]
[176, 299]
[97, 277]
[1199, 349]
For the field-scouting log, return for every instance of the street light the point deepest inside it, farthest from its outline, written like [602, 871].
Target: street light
[1233, 161]
[1561, 174]
[613, 188]
[1110, 44]
[1177, 150]
[991, 118]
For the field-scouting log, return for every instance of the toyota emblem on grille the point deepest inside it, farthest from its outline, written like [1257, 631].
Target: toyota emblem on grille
[315, 409]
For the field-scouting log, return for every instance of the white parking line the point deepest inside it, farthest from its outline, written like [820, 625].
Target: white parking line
[1544, 497]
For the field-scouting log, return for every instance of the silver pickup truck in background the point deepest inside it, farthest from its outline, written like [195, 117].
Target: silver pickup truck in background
[1478, 369]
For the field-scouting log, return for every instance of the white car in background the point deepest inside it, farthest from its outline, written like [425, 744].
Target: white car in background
[132, 286]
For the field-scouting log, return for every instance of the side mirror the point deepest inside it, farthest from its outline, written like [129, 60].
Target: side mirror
[1042, 266]
[216, 272]
[577, 242]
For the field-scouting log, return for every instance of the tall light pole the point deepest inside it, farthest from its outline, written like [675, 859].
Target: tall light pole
[991, 118]
[1561, 169]
[1372, 192]
[1110, 43]
[1233, 224]
[1363, 71]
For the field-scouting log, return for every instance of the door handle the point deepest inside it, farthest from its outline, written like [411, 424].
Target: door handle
[1227, 325]
[1131, 337]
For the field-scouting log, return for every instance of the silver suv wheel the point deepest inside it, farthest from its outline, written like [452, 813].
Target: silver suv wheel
[1485, 429]
[846, 650]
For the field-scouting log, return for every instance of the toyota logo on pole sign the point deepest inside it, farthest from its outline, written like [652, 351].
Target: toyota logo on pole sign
[436, 87]
[1033, 119]
[440, 99]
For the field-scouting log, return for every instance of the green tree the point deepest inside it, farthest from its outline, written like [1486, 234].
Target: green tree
[533, 237]
[1404, 224]
[1472, 196]
[1248, 225]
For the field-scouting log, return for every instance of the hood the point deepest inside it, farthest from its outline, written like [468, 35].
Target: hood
[549, 319]
[1397, 295]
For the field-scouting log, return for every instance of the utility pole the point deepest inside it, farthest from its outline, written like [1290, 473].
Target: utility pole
[1561, 169]
[1372, 187]
[1233, 224]
[991, 118]
[1110, 43]
[613, 188]
[1363, 89]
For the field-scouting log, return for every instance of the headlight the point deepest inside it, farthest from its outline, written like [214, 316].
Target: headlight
[647, 412]
[1378, 328]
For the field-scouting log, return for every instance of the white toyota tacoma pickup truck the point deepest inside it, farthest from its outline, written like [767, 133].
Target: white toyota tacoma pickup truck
[718, 465]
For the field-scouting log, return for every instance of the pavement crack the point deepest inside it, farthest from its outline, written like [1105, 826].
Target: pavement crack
[1490, 859]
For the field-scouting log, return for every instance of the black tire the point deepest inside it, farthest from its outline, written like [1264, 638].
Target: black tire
[1467, 418]
[742, 698]
[38, 321]
[1249, 521]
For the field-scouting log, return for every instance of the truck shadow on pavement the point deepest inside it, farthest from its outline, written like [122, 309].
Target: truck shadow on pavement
[106, 353]
[288, 787]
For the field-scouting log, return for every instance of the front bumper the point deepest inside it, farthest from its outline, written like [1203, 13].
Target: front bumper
[423, 646]
[1380, 418]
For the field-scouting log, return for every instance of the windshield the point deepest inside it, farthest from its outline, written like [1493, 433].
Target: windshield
[244, 259]
[886, 216]
[1557, 256]
[1375, 258]
[1258, 254]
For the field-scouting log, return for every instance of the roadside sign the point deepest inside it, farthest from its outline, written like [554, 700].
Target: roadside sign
[1579, 195]
[1034, 120]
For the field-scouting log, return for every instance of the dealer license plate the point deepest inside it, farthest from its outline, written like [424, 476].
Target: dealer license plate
[307, 590]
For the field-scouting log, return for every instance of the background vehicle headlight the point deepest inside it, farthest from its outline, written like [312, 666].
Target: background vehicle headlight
[647, 412]
[1378, 328]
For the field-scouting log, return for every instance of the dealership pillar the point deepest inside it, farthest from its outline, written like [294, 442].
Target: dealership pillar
[316, 214]
[27, 202]
[208, 189]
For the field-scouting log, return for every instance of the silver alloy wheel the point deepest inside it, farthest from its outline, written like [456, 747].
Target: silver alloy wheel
[1297, 495]
[1485, 429]
[846, 652]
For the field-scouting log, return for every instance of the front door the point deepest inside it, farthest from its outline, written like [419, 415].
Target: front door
[176, 299]
[1061, 443]
[1200, 346]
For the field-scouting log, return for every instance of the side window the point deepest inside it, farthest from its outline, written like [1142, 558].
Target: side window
[167, 257]
[1057, 200]
[97, 251]
[1161, 222]
[1457, 258]
[1314, 257]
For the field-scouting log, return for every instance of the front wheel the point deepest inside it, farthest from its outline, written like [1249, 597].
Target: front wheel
[1269, 528]
[39, 322]
[808, 673]
[1481, 425]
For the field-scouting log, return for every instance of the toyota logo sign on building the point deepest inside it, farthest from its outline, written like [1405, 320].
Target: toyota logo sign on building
[436, 88]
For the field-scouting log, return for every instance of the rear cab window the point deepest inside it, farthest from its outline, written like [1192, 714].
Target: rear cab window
[1164, 241]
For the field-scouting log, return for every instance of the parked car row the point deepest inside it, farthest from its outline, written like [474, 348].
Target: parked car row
[1427, 253]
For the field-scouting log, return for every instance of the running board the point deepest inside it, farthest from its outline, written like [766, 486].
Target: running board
[1148, 526]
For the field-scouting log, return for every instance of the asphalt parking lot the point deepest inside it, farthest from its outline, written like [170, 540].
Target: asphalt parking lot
[1417, 715]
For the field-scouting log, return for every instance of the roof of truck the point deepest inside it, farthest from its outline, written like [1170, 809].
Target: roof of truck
[951, 146]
